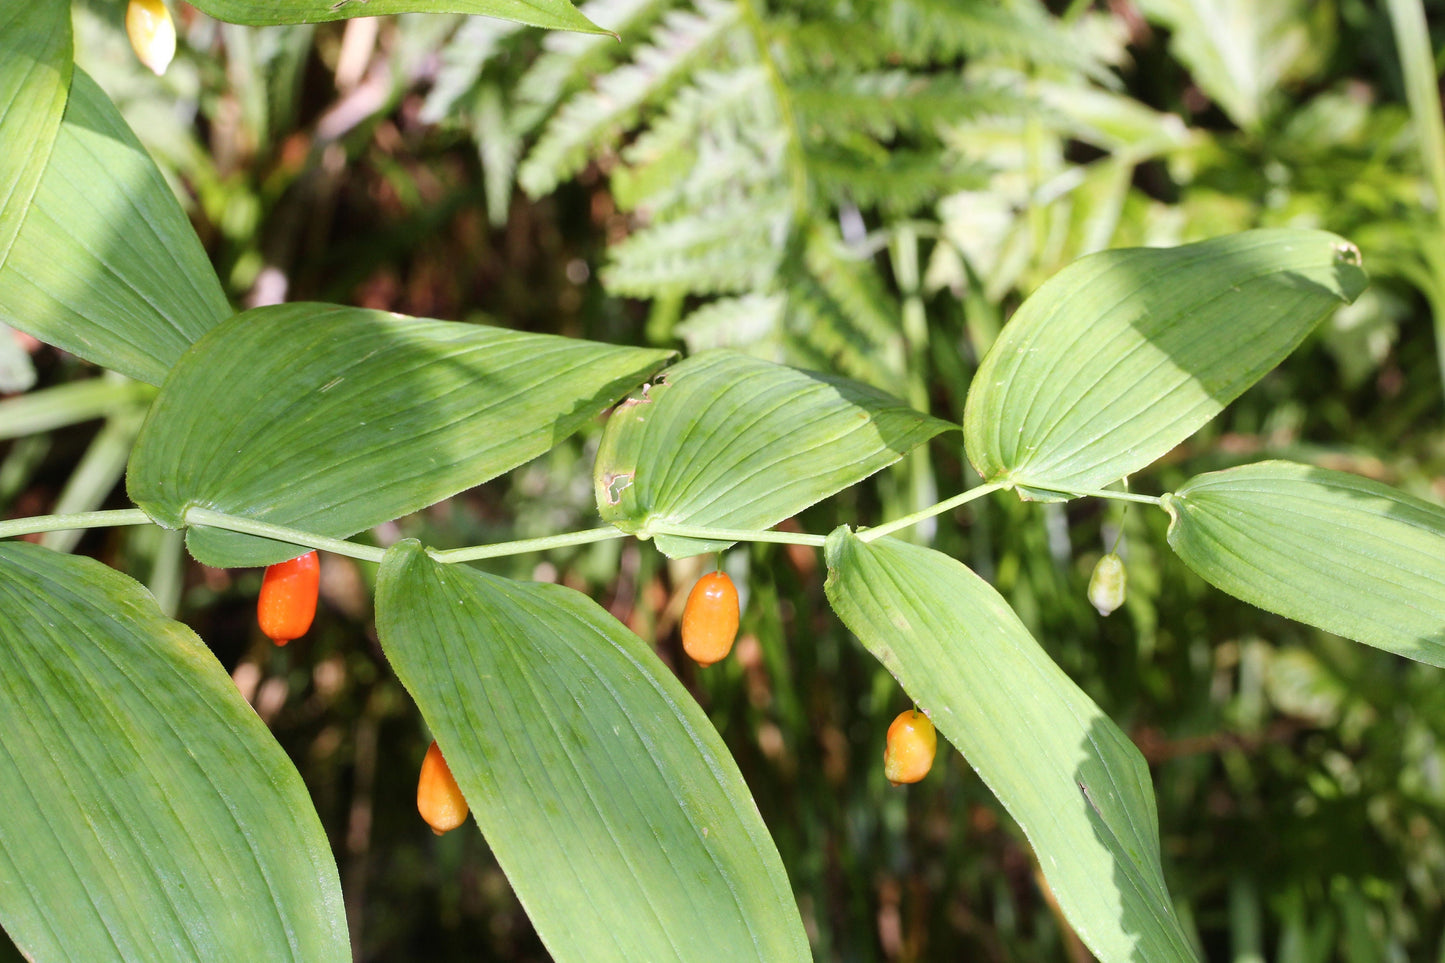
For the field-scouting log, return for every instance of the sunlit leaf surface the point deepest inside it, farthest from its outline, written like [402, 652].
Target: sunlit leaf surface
[1328, 548]
[146, 813]
[1124, 354]
[1075, 783]
[609, 799]
[335, 419]
[729, 441]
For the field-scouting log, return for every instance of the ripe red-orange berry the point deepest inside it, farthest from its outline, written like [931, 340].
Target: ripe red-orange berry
[287, 602]
[438, 798]
[710, 619]
[912, 743]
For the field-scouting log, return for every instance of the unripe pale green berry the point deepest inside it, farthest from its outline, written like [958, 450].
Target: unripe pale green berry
[1107, 584]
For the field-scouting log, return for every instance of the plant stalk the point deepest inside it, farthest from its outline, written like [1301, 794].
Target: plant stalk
[58, 523]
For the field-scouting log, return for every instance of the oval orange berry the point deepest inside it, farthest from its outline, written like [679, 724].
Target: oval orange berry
[287, 602]
[912, 743]
[438, 798]
[710, 619]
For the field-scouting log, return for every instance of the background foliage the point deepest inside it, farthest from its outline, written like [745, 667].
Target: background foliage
[863, 188]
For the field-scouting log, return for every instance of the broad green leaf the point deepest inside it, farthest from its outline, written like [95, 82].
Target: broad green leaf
[728, 441]
[1327, 548]
[1075, 783]
[335, 419]
[106, 265]
[607, 796]
[145, 811]
[552, 14]
[35, 68]
[1124, 354]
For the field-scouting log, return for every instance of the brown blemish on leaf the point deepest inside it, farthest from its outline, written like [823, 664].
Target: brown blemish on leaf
[616, 483]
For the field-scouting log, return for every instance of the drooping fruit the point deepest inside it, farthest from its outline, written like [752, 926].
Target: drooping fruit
[912, 743]
[710, 619]
[287, 602]
[438, 798]
[1107, 584]
[152, 33]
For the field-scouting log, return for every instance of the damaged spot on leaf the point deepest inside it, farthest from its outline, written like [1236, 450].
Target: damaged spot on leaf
[616, 483]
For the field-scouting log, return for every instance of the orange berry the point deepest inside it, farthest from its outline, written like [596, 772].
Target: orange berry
[152, 33]
[287, 602]
[438, 799]
[710, 619]
[912, 742]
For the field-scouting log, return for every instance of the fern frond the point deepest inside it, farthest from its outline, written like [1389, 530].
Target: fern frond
[827, 336]
[713, 251]
[945, 30]
[748, 323]
[735, 98]
[852, 282]
[463, 59]
[498, 147]
[830, 44]
[723, 173]
[595, 119]
[889, 103]
[869, 34]
[569, 59]
[720, 138]
[899, 183]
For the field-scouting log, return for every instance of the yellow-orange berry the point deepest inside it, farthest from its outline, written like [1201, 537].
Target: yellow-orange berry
[152, 33]
[287, 602]
[912, 743]
[438, 798]
[710, 619]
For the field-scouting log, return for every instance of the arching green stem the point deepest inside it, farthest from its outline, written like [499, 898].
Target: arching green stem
[249, 526]
[738, 534]
[474, 552]
[888, 528]
[60, 523]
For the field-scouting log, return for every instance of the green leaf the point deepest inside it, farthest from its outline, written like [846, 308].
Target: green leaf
[107, 265]
[552, 14]
[607, 796]
[335, 419]
[1327, 548]
[728, 441]
[35, 68]
[1124, 354]
[145, 811]
[1075, 783]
